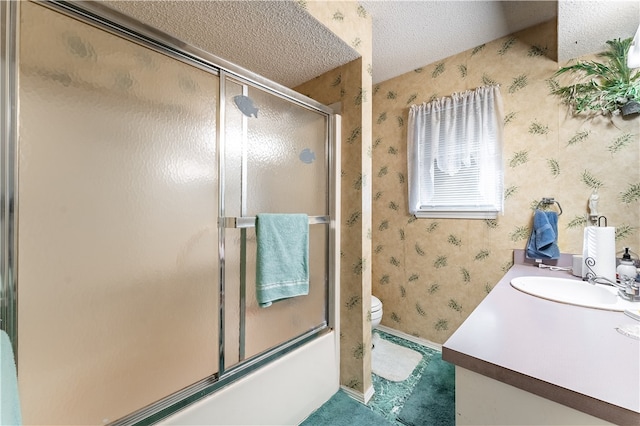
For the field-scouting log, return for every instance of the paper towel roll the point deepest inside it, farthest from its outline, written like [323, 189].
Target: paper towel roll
[600, 245]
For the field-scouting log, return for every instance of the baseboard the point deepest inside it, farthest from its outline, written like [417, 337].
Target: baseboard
[414, 339]
[362, 398]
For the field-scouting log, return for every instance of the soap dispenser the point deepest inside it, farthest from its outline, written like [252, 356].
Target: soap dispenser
[626, 270]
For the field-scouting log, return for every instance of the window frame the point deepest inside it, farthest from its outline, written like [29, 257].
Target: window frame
[417, 169]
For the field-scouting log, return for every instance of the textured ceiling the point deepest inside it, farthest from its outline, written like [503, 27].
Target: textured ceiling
[411, 34]
[280, 41]
[587, 25]
[275, 39]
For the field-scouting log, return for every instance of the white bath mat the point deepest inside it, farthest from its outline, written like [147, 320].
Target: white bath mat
[393, 362]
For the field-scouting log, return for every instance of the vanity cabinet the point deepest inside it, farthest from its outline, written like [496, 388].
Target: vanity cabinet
[521, 359]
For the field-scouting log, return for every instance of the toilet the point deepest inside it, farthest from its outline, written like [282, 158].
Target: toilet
[376, 312]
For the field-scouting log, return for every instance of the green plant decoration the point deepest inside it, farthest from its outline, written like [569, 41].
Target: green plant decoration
[607, 88]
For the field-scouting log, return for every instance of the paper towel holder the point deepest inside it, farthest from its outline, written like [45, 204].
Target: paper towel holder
[592, 277]
[589, 262]
[599, 221]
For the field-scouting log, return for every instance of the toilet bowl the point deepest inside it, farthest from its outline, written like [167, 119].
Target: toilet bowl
[376, 312]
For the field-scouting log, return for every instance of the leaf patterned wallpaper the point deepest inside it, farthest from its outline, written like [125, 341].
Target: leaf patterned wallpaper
[351, 86]
[431, 273]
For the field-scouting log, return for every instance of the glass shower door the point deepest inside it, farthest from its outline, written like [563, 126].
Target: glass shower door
[276, 161]
[118, 276]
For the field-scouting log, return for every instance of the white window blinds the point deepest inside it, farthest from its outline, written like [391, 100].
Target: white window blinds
[454, 148]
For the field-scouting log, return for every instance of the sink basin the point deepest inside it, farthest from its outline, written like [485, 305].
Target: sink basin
[573, 292]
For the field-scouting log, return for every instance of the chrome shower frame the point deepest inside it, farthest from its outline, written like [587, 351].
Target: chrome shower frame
[8, 170]
[97, 15]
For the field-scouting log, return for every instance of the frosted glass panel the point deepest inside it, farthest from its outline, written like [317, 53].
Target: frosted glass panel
[117, 261]
[286, 319]
[280, 159]
[287, 169]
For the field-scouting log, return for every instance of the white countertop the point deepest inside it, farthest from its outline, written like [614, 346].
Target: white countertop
[568, 354]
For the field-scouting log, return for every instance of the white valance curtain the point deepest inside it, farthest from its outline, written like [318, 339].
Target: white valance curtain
[450, 133]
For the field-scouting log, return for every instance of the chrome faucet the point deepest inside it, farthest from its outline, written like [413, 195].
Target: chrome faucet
[628, 288]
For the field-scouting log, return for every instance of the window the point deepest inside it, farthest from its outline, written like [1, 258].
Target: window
[454, 149]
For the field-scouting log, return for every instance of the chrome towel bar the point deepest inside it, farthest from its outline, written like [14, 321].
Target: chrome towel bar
[250, 222]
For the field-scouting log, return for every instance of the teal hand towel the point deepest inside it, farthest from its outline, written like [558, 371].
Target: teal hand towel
[282, 257]
[10, 413]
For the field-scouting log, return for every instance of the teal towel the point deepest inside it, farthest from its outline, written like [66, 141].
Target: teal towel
[282, 257]
[10, 413]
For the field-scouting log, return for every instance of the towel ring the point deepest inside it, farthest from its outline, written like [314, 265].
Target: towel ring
[547, 201]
